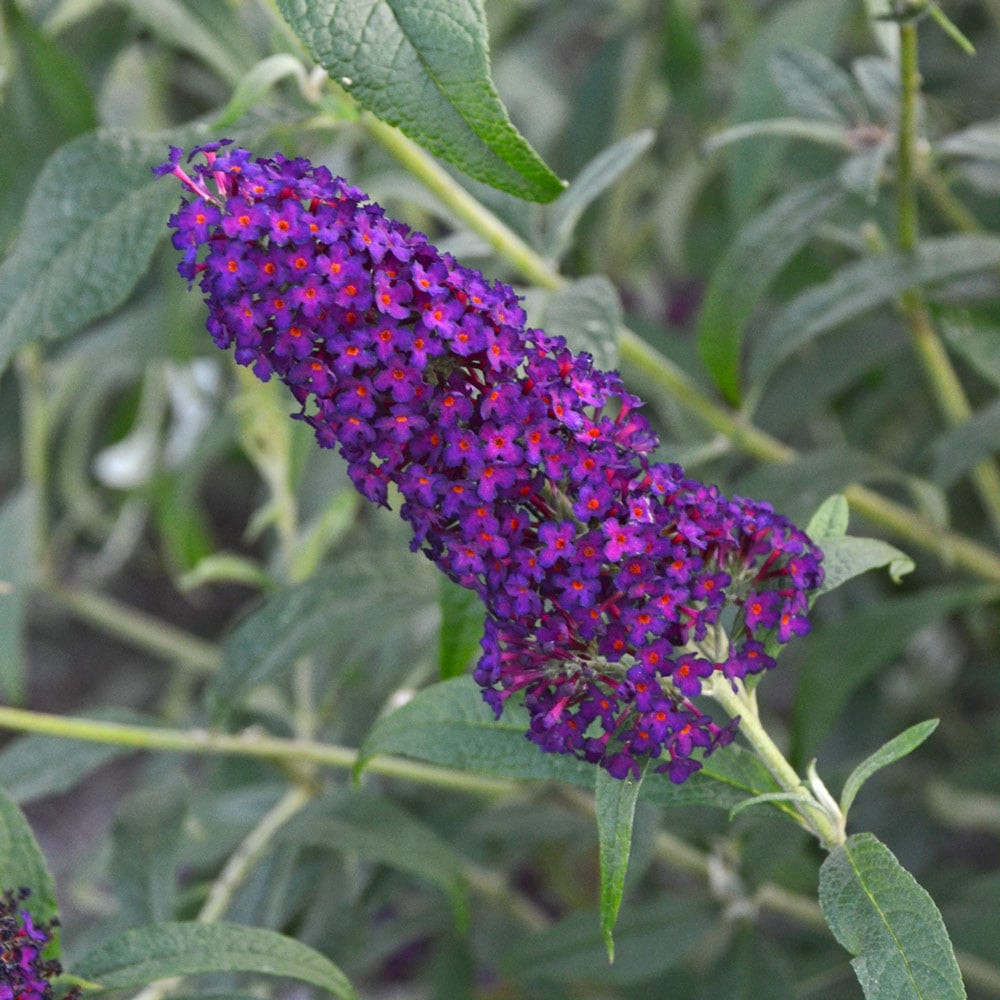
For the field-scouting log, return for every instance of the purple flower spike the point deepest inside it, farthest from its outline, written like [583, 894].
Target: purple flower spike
[522, 469]
[24, 974]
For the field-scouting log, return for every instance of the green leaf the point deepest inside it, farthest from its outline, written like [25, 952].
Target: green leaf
[423, 65]
[751, 262]
[184, 949]
[372, 827]
[650, 938]
[844, 654]
[225, 567]
[144, 851]
[587, 313]
[814, 86]
[769, 798]
[449, 724]
[615, 800]
[846, 558]
[906, 742]
[753, 965]
[961, 449]
[831, 518]
[979, 142]
[257, 83]
[821, 133]
[978, 341]
[881, 915]
[80, 255]
[752, 166]
[40, 84]
[174, 23]
[17, 561]
[726, 778]
[592, 181]
[340, 603]
[800, 485]
[22, 862]
[878, 79]
[861, 286]
[461, 628]
[683, 58]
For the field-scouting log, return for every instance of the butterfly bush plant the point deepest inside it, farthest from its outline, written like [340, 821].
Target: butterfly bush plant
[376, 768]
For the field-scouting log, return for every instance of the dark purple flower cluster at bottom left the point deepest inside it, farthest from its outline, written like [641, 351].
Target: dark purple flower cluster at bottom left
[24, 974]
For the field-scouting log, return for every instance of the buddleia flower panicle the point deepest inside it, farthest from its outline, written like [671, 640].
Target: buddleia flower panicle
[24, 974]
[522, 469]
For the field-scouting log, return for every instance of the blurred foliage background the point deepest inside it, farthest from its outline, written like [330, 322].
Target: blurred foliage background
[735, 204]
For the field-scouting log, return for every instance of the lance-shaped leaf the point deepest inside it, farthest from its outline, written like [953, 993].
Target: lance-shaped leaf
[860, 287]
[423, 66]
[161, 951]
[846, 558]
[17, 559]
[882, 916]
[757, 255]
[615, 804]
[898, 747]
[93, 219]
[22, 862]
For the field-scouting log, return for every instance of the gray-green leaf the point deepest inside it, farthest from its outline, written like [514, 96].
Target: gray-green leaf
[22, 862]
[906, 742]
[592, 181]
[183, 949]
[861, 286]
[846, 558]
[363, 823]
[615, 806]
[977, 341]
[588, 314]
[844, 654]
[757, 255]
[815, 86]
[461, 628]
[93, 219]
[965, 446]
[17, 540]
[831, 518]
[35, 765]
[881, 915]
[423, 65]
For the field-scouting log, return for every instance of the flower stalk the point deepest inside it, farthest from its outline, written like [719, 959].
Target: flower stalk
[815, 808]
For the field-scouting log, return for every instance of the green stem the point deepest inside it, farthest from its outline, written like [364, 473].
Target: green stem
[234, 873]
[250, 743]
[651, 363]
[941, 375]
[34, 444]
[951, 547]
[144, 631]
[251, 850]
[945, 201]
[906, 142]
[822, 819]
